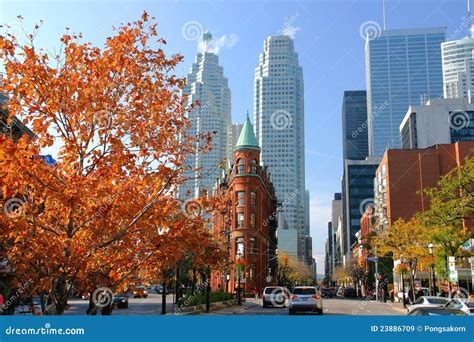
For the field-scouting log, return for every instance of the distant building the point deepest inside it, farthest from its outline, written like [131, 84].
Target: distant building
[402, 174]
[279, 127]
[336, 216]
[439, 121]
[207, 85]
[403, 68]
[458, 68]
[236, 129]
[250, 225]
[357, 194]
[354, 125]
[15, 128]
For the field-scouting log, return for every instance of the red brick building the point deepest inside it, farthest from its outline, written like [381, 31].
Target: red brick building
[249, 221]
[403, 173]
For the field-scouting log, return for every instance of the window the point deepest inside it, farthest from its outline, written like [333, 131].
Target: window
[240, 220]
[254, 166]
[253, 246]
[240, 198]
[252, 220]
[239, 246]
[240, 166]
[252, 272]
[253, 198]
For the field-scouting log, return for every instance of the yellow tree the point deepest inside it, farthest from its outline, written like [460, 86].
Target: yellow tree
[119, 122]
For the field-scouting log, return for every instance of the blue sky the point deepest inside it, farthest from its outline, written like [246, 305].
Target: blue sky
[327, 38]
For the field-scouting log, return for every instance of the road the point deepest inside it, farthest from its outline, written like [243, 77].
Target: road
[334, 306]
[149, 306]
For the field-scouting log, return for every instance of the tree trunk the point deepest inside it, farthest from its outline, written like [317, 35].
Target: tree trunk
[61, 294]
[107, 310]
[92, 309]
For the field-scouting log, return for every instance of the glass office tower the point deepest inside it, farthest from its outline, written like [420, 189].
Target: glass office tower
[403, 68]
[354, 125]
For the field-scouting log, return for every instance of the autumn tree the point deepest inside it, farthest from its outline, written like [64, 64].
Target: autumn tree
[108, 207]
[292, 271]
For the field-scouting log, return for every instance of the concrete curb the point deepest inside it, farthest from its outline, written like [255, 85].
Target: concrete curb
[195, 310]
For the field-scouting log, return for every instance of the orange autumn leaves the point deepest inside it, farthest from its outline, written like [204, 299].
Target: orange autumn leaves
[117, 119]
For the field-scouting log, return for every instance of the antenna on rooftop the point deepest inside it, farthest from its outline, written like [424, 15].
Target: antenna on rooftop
[384, 15]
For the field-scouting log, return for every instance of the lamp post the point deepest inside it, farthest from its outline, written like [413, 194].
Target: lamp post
[238, 268]
[403, 282]
[433, 275]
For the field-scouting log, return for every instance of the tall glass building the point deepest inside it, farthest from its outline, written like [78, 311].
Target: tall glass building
[206, 83]
[458, 67]
[279, 127]
[354, 125]
[403, 68]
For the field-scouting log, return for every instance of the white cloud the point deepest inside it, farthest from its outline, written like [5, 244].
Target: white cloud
[290, 30]
[216, 44]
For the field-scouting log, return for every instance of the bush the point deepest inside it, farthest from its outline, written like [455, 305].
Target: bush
[199, 298]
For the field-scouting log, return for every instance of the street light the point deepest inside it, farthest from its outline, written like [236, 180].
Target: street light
[431, 250]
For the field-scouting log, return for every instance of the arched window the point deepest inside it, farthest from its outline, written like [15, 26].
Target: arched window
[254, 166]
[240, 166]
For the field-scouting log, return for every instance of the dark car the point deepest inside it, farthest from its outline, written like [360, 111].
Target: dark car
[350, 292]
[121, 301]
[328, 292]
[159, 289]
[436, 311]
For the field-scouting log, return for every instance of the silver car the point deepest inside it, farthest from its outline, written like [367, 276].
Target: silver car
[276, 296]
[425, 301]
[306, 299]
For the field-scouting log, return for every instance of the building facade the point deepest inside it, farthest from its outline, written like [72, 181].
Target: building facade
[249, 222]
[207, 87]
[402, 174]
[403, 68]
[357, 194]
[279, 127]
[336, 216]
[439, 121]
[236, 129]
[458, 67]
[354, 125]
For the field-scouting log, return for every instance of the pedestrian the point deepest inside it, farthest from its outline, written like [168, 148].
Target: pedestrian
[255, 293]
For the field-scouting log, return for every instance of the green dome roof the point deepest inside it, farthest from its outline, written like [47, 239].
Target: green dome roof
[247, 137]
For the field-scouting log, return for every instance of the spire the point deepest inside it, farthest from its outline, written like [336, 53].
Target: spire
[469, 27]
[384, 15]
[247, 137]
[207, 38]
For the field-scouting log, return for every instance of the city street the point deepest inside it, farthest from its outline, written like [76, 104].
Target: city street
[333, 306]
[149, 306]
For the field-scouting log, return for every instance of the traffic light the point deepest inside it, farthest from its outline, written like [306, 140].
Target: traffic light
[285, 260]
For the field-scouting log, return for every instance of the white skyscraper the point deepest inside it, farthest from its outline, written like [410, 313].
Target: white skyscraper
[206, 83]
[279, 127]
[458, 65]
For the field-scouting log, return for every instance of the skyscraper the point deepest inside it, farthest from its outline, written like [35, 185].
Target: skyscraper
[403, 68]
[279, 127]
[458, 67]
[354, 125]
[206, 83]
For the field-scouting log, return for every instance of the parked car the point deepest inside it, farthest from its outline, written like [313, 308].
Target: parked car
[140, 292]
[350, 292]
[425, 301]
[435, 311]
[121, 301]
[277, 296]
[305, 299]
[159, 289]
[328, 292]
[466, 307]
[29, 306]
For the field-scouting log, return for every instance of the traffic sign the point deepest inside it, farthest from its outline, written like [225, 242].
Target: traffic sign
[453, 276]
